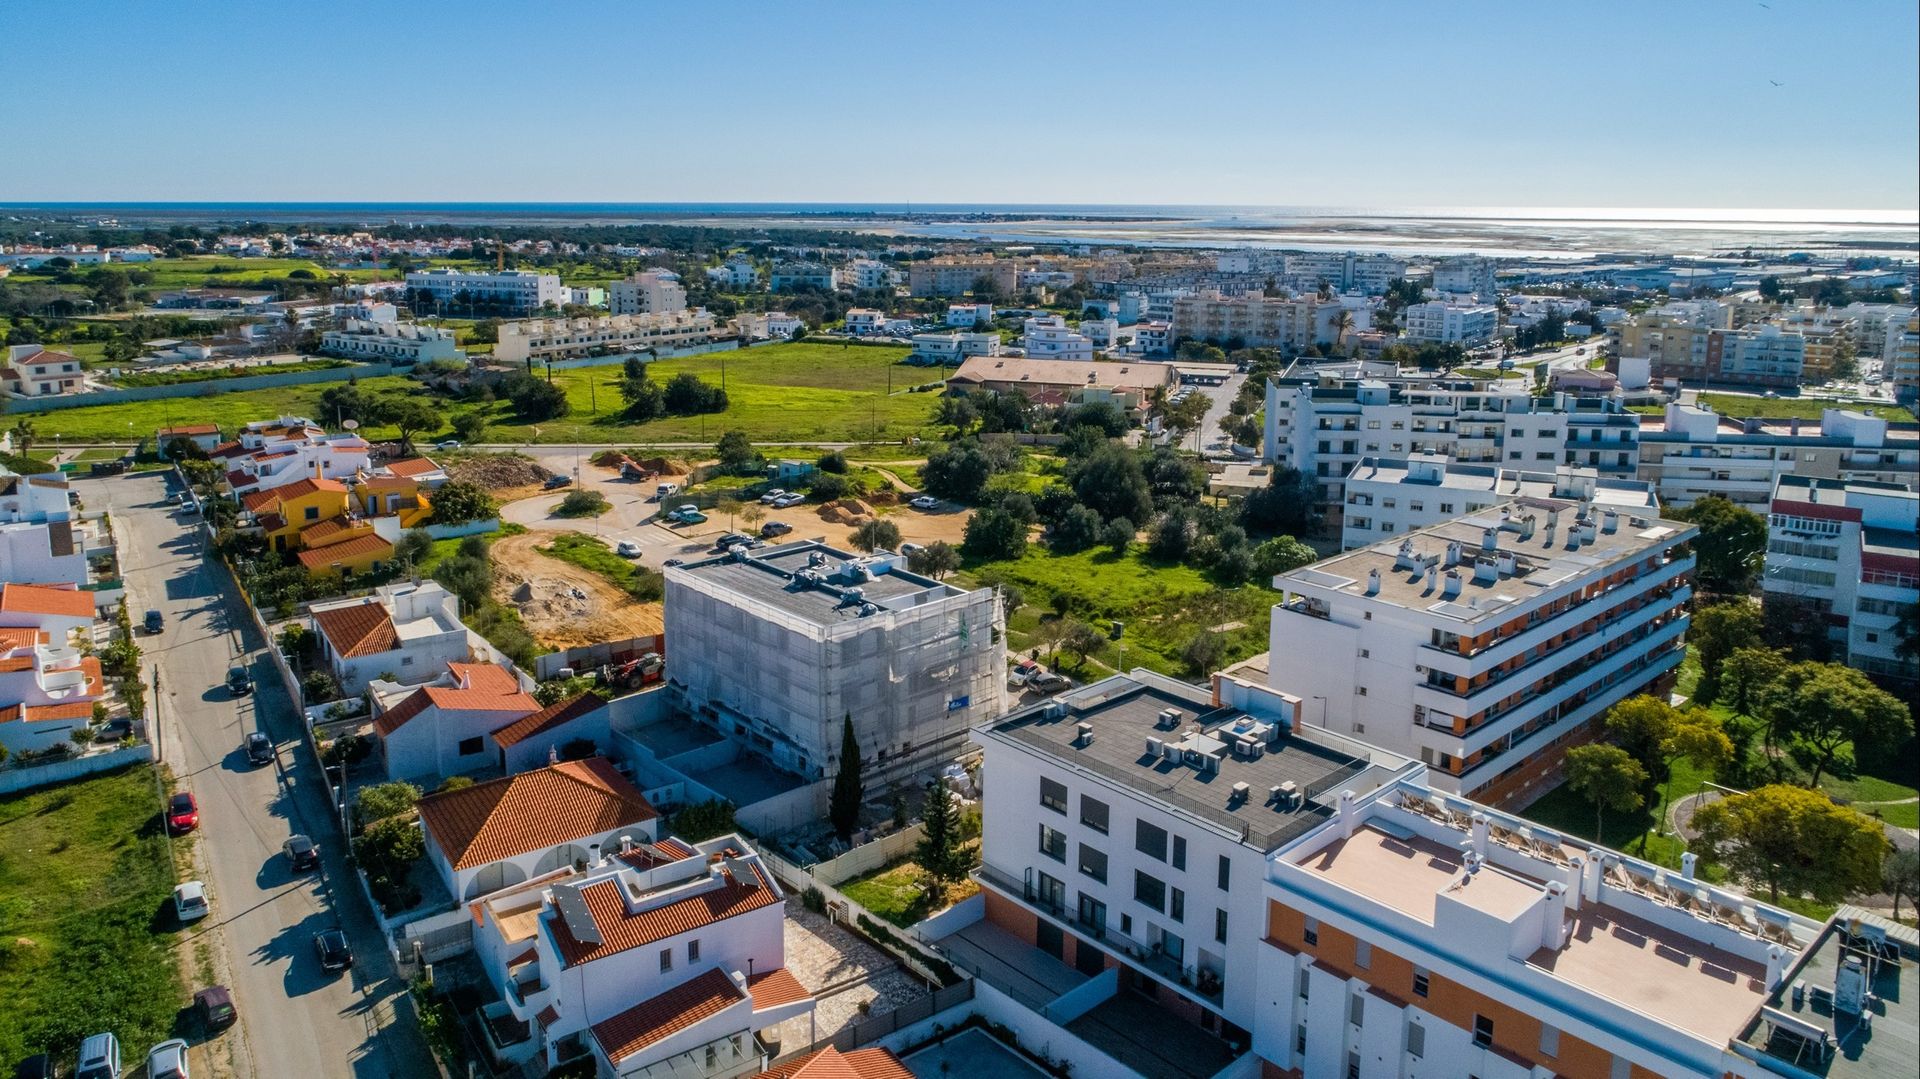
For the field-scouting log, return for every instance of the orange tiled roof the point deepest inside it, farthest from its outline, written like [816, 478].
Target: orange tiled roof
[341, 552]
[324, 529]
[15, 664]
[831, 1063]
[287, 492]
[396, 717]
[12, 637]
[620, 930]
[773, 988]
[63, 710]
[668, 1013]
[479, 687]
[553, 716]
[188, 429]
[363, 629]
[412, 466]
[43, 599]
[514, 815]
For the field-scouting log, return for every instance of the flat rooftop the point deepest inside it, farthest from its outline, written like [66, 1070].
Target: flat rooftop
[1884, 1048]
[1543, 560]
[1125, 713]
[1503, 482]
[818, 583]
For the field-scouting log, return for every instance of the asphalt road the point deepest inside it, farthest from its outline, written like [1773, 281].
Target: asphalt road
[297, 1020]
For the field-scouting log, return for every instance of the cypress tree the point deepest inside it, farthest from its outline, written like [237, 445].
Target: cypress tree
[843, 809]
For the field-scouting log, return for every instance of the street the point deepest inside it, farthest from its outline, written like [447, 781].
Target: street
[295, 1020]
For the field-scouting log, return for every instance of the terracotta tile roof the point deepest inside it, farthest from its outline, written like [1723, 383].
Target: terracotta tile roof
[831, 1063]
[16, 664]
[668, 1013]
[188, 429]
[665, 852]
[479, 687]
[237, 479]
[341, 552]
[518, 814]
[12, 637]
[548, 1015]
[396, 717]
[773, 988]
[412, 466]
[390, 483]
[42, 599]
[620, 930]
[552, 717]
[324, 529]
[363, 629]
[270, 522]
[287, 492]
[63, 710]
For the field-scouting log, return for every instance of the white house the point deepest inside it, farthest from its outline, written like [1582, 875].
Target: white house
[442, 729]
[863, 321]
[969, 314]
[531, 740]
[405, 633]
[505, 831]
[951, 348]
[391, 342]
[54, 610]
[50, 552]
[1450, 323]
[32, 371]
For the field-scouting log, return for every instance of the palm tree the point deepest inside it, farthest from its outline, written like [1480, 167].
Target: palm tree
[1342, 326]
[22, 437]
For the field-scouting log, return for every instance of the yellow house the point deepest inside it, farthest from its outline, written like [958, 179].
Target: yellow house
[353, 548]
[393, 496]
[283, 513]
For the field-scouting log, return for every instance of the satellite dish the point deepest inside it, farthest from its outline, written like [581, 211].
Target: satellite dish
[351, 425]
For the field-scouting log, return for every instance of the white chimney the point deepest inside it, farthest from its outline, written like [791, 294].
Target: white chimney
[1489, 538]
[1453, 553]
[1373, 581]
[1486, 570]
[1553, 924]
[1590, 881]
[1687, 862]
[593, 854]
[1481, 827]
[1349, 817]
[1776, 965]
[626, 844]
[1576, 881]
[1452, 587]
[1588, 533]
[1610, 521]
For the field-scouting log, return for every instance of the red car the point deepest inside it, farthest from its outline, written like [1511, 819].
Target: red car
[183, 813]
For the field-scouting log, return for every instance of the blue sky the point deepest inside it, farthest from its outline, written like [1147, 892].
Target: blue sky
[1618, 103]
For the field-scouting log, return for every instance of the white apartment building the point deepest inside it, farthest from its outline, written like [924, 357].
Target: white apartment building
[1129, 824]
[862, 275]
[1450, 323]
[789, 276]
[1250, 321]
[1848, 554]
[1105, 333]
[1153, 338]
[1689, 453]
[390, 342]
[566, 338]
[1370, 274]
[513, 290]
[1325, 430]
[957, 276]
[735, 273]
[1389, 498]
[774, 647]
[771, 324]
[1902, 361]
[1757, 356]
[969, 314]
[866, 322]
[649, 292]
[951, 348]
[1463, 275]
[1485, 646]
[274, 453]
[1048, 338]
[587, 297]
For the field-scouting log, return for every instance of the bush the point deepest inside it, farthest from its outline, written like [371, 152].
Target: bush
[319, 687]
[384, 801]
[814, 900]
[582, 502]
[995, 534]
[457, 503]
[703, 820]
[832, 461]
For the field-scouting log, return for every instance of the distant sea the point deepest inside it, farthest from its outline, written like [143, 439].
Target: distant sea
[1515, 232]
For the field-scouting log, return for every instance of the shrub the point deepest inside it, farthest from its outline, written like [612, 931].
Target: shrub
[583, 503]
[814, 900]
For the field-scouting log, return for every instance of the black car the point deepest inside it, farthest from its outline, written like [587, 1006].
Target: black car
[38, 1066]
[775, 528]
[154, 622]
[259, 748]
[731, 539]
[331, 947]
[304, 855]
[558, 481]
[670, 563]
[239, 682]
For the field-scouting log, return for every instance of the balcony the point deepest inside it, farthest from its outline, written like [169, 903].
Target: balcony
[1657, 646]
[1500, 651]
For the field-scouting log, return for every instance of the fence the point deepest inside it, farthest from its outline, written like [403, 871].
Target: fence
[588, 657]
[921, 960]
[620, 358]
[206, 388]
[888, 1023]
[868, 857]
[26, 777]
[471, 528]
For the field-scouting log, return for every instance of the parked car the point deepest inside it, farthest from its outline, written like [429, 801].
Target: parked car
[447, 444]
[259, 748]
[666, 490]
[190, 901]
[333, 950]
[730, 539]
[301, 852]
[37, 1066]
[773, 496]
[154, 622]
[168, 1060]
[117, 729]
[214, 1006]
[788, 500]
[239, 682]
[925, 502]
[1023, 672]
[688, 514]
[775, 528]
[183, 813]
[627, 549]
[911, 549]
[1048, 682]
[670, 563]
[557, 481]
[99, 1058]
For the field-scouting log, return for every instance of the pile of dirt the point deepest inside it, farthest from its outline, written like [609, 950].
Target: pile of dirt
[665, 466]
[885, 496]
[496, 471]
[847, 511]
[564, 605]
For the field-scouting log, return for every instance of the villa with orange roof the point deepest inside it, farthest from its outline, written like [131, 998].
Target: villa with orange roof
[406, 630]
[442, 728]
[47, 690]
[57, 610]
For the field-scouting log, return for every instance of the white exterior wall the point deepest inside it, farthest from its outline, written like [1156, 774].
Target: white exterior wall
[646, 293]
[520, 289]
[402, 342]
[428, 745]
[26, 556]
[559, 338]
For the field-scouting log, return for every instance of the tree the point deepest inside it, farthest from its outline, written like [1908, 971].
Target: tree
[1608, 777]
[1077, 530]
[876, 535]
[1720, 629]
[456, 502]
[736, 452]
[1284, 506]
[414, 546]
[469, 426]
[383, 800]
[1900, 876]
[1698, 737]
[1731, 545]
[387, 851]
[939, 853]
[1104, 415]
[468, 575]
[1825, 707]
[319, 687]
[1639, 725]
[843, 806]
[1746, 677]
[959, 472]
[994, 534]
[1111, 482]
[1282, 554]
[1082, 640]
[752, 513]
[1792, 838]
[1170, 536]
[1117, 535]
[1203, 653]
[23, 436]
[409, 415]
[687, 395]
[832, 461]
[936, 560]
[534, 400]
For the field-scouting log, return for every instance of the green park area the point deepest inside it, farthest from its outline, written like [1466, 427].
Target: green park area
[86, 936]
[1740, 406]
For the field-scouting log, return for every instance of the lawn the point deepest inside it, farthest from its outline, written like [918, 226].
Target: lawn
[1803, 408]
[596, 557]
[84, 945]
[132, 420]
[175, 378]
[894, 892]
[1162, 606]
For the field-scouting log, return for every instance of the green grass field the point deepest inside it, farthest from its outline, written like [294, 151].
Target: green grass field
[132, 420]
[84, 945]
[1804, 408]
[596, 557]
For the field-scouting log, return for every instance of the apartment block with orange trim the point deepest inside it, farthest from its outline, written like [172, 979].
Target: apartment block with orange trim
[1487, 645]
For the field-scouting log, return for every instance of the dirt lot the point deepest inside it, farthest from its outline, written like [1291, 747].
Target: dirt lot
[915, 526]
[562, 604]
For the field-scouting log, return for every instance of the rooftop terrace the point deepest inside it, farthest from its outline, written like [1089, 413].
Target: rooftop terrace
[817, 583]
[1801, 1023]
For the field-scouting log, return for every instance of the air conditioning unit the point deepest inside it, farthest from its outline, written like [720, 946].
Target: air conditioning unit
[1155, 747]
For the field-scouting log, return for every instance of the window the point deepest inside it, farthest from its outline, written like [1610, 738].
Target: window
[1417, 507]
[1311, 934]
[1179, 852]
[1053, 795]
[1093, 814]
[1093, 863]
[1053, 843]
[1446, 507]
[1353, 1064]
[313, 513]
[1420, 985]
[1482, 1031]
[1356, 1010]
[1300, 1038]
[1126, 923]
[1220, 926]
[469, 746]
[1373, 425]
[1223, 873]
[693, 952]
[1179, 906]
[1093, 913]
[1149, 891]
[1388, 503]
[1362, 954]
[1150, 840]
[1416, 1040]
[1549, 1040]
[666, 960]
